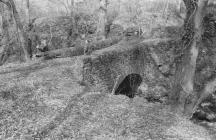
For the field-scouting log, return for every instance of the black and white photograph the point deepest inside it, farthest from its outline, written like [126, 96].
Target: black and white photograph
[107, 69]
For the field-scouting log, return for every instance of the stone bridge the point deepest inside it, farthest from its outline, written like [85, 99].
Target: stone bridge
[104, 70]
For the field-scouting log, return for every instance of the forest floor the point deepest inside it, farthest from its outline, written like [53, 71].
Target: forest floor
[43, 100]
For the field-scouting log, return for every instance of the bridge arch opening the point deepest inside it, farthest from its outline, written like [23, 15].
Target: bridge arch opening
[129, 85]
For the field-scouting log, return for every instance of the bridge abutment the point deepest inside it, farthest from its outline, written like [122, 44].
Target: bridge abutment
[103, 68]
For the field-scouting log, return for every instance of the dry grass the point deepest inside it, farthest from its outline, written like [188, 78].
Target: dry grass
[44, 100]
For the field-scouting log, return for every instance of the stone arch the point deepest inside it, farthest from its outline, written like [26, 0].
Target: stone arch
[129, 85]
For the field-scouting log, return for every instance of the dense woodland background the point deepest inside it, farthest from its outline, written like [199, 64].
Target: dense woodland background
[65, 23]
[40, 98]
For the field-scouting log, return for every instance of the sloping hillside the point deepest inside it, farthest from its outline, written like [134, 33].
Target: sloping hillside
[43, 100]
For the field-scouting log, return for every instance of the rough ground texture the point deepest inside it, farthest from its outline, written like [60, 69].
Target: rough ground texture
[44, 100]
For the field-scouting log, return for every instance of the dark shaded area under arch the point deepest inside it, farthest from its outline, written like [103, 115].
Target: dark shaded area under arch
[129, 85]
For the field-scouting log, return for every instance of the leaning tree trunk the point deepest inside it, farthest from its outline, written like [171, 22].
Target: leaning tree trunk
[183, 94]
[22, 34]
[5, 41]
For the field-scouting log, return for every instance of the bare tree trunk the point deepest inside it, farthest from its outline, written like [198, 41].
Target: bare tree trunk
[27, 12]
[22, 34]
[5, 41]
[182, 94]
[101, 29]
[72, 13]
[1, 21]
[29, 24]
[72, 7]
